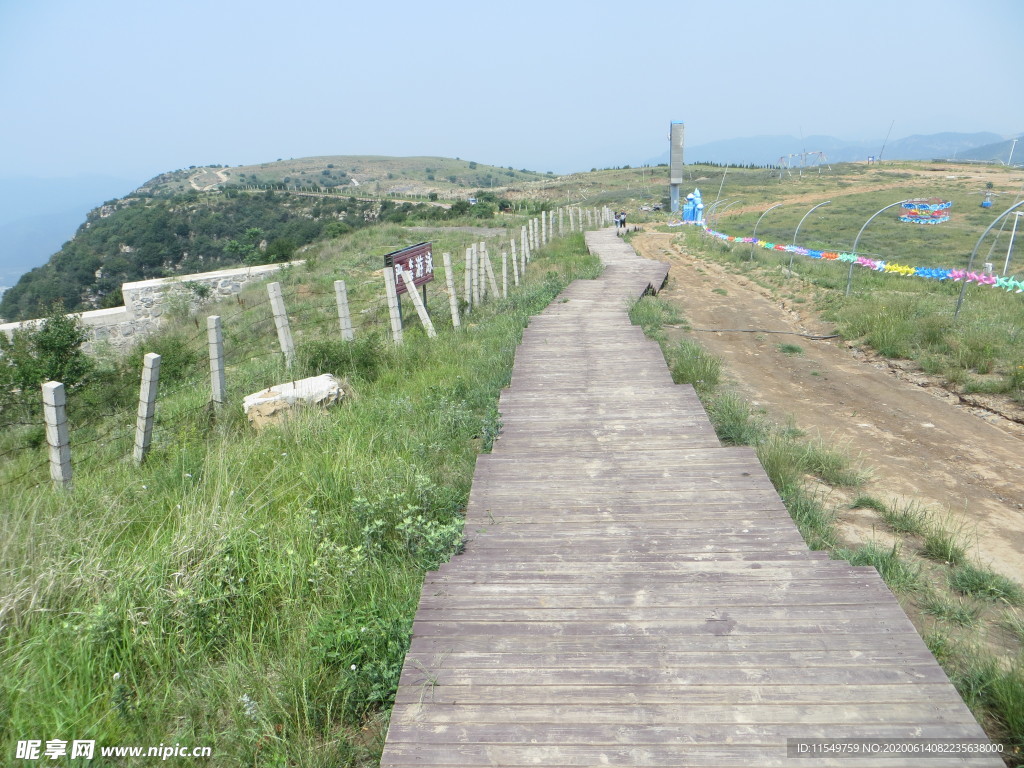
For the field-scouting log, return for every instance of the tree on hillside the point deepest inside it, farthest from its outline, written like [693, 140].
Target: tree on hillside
[51, 351]
[249, 251]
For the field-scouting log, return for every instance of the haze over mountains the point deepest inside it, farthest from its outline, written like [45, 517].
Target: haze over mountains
[39, 215]
[767, 150]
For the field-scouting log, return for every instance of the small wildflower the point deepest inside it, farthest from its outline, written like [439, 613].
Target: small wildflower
[353, 667]
[249, 705]
[117, 676]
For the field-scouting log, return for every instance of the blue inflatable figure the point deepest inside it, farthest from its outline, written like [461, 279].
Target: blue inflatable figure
[693, 209]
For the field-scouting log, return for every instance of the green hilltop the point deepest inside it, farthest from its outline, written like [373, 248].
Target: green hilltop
[212, 217]
[359, 174]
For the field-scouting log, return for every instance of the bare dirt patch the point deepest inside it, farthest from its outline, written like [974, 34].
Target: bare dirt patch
[919, 441]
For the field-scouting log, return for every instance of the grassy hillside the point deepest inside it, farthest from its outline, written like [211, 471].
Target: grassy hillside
[254, 592]
[197, 220]
[355, 174]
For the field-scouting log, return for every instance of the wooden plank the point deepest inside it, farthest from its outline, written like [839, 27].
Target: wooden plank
[577, 732]
[670, 755]
[833, 621]
[683, 618]
[740, 674]
[589, 659]
[921, 693]
[870, 640]
[743, 596]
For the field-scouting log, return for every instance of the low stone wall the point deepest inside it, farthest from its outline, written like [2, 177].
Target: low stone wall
[147, 301]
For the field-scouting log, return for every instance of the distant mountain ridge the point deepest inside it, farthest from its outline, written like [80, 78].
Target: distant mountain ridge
[767, 150]
[1005, 151]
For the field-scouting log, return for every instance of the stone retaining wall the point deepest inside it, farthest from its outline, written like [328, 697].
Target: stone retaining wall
[147, 301]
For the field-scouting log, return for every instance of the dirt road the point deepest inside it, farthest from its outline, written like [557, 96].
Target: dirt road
[919, 446]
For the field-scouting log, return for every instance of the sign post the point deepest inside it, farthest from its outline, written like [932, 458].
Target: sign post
[418, 261]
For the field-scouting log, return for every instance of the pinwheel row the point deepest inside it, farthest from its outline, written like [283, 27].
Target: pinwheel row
[930, 273]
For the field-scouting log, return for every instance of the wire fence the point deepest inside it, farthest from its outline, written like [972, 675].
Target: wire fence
[103, 421]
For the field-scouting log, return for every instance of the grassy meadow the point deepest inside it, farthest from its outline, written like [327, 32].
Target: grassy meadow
[979, 351]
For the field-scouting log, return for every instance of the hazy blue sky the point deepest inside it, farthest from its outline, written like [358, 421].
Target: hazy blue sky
[131, 88]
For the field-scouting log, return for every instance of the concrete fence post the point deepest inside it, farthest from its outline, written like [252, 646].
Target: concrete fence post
[449, 281]
[515, 262]
[572, 221]
[486, 289]
[474, 259]
[147, 405]
[489, 270]
[56, 418]
[284, 333]
[561, 222]
[469, 278]
[215, 342]
[504, 274]
[543, 228]
[344, 315]
[480, 290]
[417, 302]
[481, 277]
[396, 315]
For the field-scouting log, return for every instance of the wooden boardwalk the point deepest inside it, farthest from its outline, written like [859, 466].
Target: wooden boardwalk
[634, 594]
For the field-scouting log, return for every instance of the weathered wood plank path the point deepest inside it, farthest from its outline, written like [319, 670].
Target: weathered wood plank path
[634, 594]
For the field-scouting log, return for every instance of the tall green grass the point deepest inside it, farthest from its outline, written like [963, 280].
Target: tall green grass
[253, 592]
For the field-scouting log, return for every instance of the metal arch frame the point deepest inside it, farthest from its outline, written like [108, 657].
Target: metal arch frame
[970, 261]
[849, 277]
[797, 232]
[753, 235]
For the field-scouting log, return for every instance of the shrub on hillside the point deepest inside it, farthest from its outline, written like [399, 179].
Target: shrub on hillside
[50, 351]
